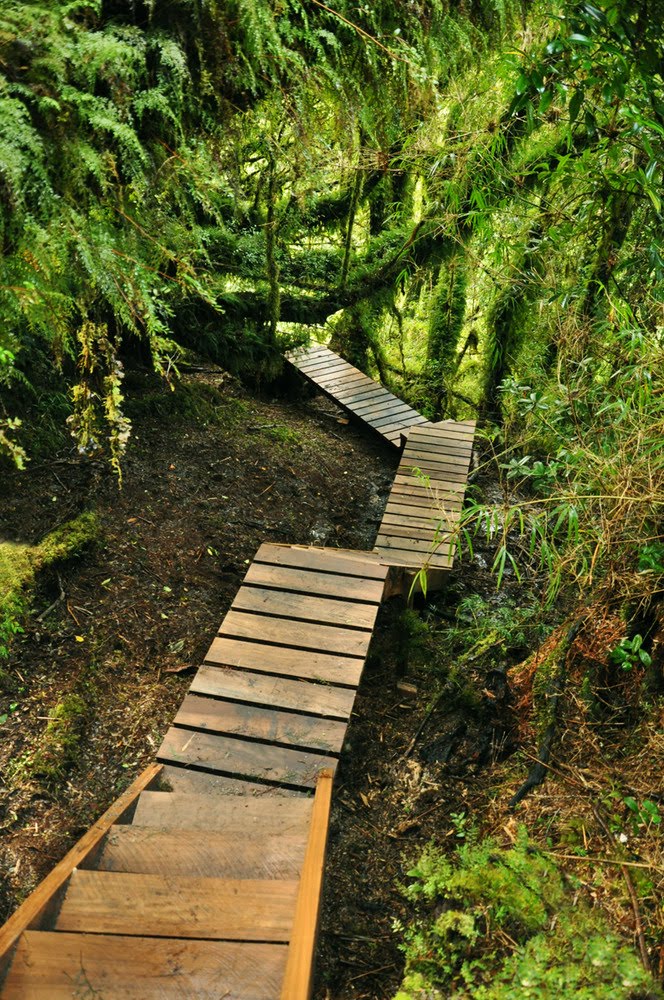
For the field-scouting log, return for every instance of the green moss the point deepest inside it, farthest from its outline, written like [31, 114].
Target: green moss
[58, 747]
[503, 924]
[19, 563]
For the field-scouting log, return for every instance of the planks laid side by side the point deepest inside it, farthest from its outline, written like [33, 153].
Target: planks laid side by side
[356, 393]
[272, 700]
[418, 527]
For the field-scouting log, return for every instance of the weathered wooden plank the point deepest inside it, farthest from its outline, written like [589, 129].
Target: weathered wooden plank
[352, 397]
[313, 366]
[300, 635]
[340, 561]
[444, 485]
[416, 492]
[148, 850]
[241, 758]
[306, 665]
[319, 610]
[375, 408]
[263, 689]
[183, 780]
[321, 584]
[435, 459]
[429, 532]
[259, 723]
[397, 425]
[62, 966]
[424, 547]
[298, 979]
[234, 815]
[170, 906]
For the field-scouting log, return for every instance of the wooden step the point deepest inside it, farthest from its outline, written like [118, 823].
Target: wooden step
[263, 689]
[172, 906]
[305, 607]
[243, 758]
[311, 581]
[269, 725]
[341, 561]
[311, 665]
[254, 853]
[299, 635]
[180, 779]
[62, 966]
[232, 815]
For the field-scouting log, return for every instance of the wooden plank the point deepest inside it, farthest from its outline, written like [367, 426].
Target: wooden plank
[438, 483]
[340, 561]
[320, 366]
[419, 520]
[435, 458]
[320, 610]
[29, 914]
[347, 375]
[449, 446]
[322, 667]
[426, 548]
[184, 781]
[170, 906]
[299, 635]
[259, 723]
[298, 979]
[415, 492]
[380, 407]
[62, 966]
[354, 397]
[308, 581]
[434, 433]
[405, 558]
[234, 816]
[241, 758]
[397, 425]
[407, 530]
[147, 850]
[262, 689]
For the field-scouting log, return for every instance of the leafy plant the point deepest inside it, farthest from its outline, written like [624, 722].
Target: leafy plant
[629, 653]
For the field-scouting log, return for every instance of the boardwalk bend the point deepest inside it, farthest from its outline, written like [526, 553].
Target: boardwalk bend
[203, 880]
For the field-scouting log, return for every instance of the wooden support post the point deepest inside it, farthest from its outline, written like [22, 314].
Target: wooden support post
[298, 980]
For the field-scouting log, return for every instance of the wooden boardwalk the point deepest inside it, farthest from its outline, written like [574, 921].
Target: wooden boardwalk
[203, 880]
[426, 497]
[356, 393]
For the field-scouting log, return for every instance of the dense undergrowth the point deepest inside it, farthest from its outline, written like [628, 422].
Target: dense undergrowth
[467, 201]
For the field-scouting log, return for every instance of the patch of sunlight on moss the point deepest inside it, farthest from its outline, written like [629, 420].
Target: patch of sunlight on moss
[19, 563]
[501, 923]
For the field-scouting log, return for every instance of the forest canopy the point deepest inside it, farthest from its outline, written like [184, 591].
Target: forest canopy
[466, 199]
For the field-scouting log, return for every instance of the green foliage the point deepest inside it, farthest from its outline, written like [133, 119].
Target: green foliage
[498, 923]
[629, 653]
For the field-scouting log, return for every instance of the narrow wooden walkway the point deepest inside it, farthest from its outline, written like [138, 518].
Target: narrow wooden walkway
[204, 879]
[356, 393]
[426, 498]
